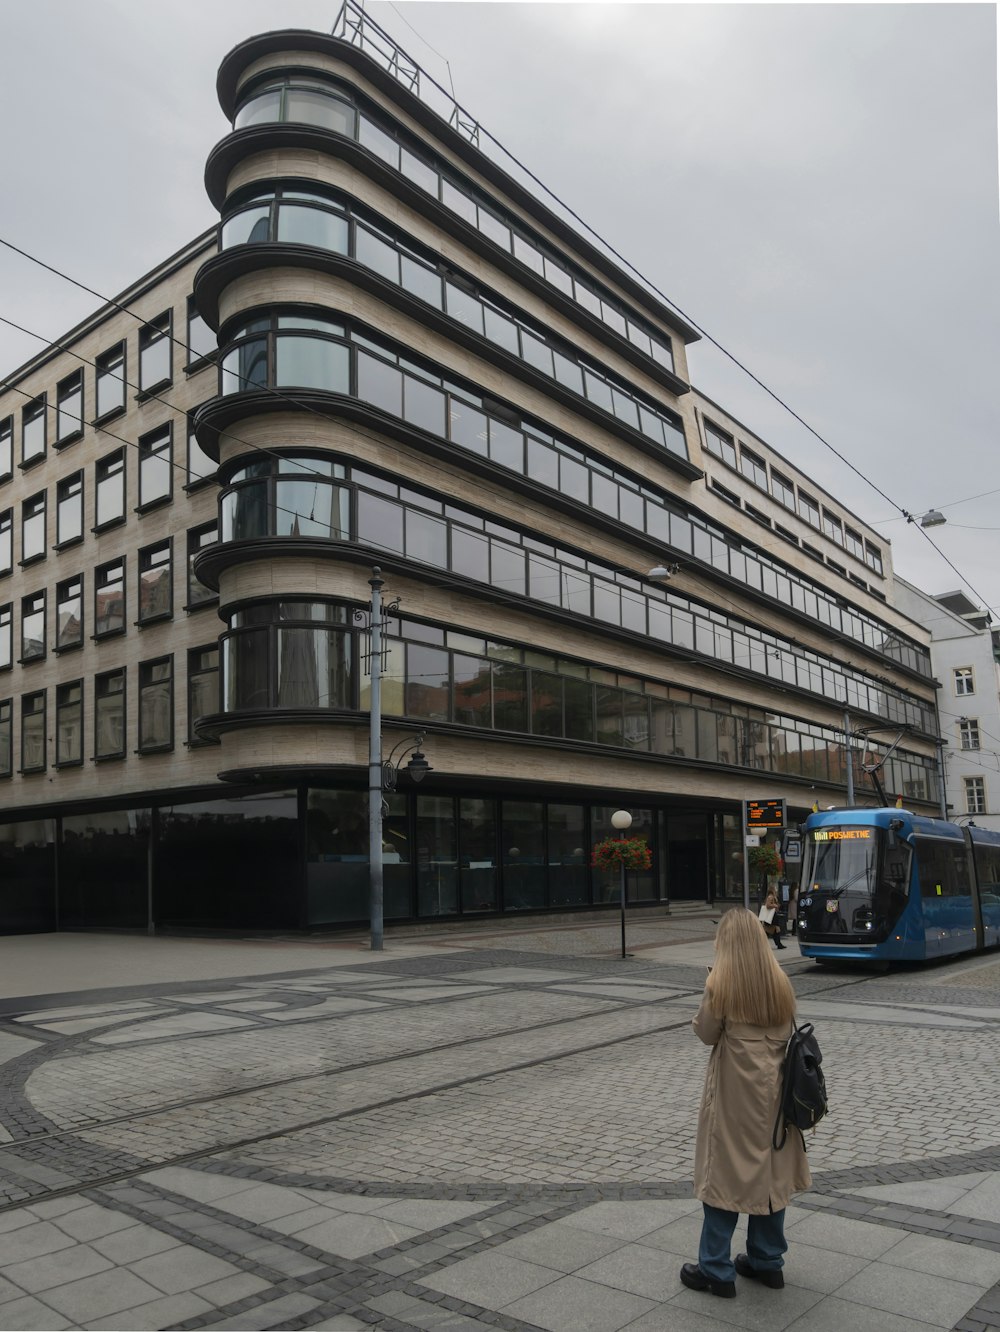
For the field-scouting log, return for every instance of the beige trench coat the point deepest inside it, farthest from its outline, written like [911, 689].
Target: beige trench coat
[735, 1166]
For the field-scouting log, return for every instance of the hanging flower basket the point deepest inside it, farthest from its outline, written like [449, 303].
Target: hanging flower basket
[632, 852]
[765, 860]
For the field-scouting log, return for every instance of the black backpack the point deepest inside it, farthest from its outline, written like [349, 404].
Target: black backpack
[803, 1087]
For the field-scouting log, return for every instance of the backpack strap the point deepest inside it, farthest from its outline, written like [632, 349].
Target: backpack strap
[780, 1124]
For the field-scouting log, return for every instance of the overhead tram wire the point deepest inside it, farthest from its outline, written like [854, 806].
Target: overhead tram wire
[648, 282]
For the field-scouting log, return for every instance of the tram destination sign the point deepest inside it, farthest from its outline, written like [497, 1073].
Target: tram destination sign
[761, 814]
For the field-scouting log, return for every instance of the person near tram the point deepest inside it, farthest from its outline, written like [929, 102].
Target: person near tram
[746, 1015]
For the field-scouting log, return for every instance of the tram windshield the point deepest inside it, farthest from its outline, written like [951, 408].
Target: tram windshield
[856, 886]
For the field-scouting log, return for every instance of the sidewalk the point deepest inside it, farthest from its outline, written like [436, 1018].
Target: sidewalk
[478, 1128]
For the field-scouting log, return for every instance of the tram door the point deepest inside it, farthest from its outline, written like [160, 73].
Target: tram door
[687, 857]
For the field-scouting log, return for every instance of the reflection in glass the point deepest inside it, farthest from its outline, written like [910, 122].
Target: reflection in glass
[522, 837]
[436, 855]
[477, 837]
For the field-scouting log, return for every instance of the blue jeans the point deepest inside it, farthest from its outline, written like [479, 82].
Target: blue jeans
[765, 1242]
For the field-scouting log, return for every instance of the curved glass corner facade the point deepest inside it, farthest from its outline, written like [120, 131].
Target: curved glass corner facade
[287, 351]
[325, 224]
[339, 110]
[431, 530]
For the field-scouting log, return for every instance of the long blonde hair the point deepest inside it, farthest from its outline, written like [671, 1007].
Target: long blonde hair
[746, 984]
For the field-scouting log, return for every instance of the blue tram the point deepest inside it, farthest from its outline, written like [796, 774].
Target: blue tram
[887, 885]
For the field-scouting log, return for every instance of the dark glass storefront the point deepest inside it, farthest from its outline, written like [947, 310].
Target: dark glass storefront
[297, 859]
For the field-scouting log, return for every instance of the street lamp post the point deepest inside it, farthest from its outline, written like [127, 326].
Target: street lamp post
[382, 776]
[621, 820]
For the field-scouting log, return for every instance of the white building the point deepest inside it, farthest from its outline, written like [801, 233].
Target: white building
[964, 651]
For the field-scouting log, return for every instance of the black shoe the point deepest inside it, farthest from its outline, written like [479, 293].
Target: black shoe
[695, 1279]
[778, 943]
[772, 1277]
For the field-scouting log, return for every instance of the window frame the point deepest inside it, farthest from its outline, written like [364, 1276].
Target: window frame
[63, 591]
[101, 583]
[102, 679]
[196, 362]
[194, 545]
[105, 464]
[154, 331]
[66, 388]
[146, 565]
[968, 733]
[7, 527]
[61, 705]
[106, 366]
[147, 684]
[43, 695]
[61, 543]
[149, 457]
[964, 678]
[7, 630]
[192, 482]
[34, 603]
[6, 448]
[36, 409]
[195, 741]
[974, 789]
[6, 737]
[26, 517]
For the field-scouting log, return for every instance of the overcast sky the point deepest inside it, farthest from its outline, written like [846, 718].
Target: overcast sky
[814, 185]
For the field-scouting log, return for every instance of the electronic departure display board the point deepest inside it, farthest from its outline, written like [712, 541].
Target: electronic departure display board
[762, 814]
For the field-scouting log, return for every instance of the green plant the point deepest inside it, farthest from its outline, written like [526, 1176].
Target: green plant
[632, 852]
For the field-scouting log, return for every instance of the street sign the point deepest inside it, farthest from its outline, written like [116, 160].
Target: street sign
[752, 840]
[763, 814]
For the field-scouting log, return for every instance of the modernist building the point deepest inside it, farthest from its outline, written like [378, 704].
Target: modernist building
[393, 353]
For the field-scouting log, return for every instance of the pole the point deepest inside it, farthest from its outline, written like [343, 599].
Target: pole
[376, 583]
[850, 760]
[746, 856]
[940, 743]
[623, 900]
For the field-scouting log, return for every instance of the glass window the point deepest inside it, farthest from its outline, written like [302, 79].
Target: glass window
[109, 598]
[477, 841]
[468, 427]
[69, 612]
[6, 448]
[522, 841]
[156, 598]
[380, 384]
[109, 715]
[782, 490]
[465, 307]
[964, 681]
[312, 363]
[753, 467]
[380, 522]
[33, 732]
[6, 636]
[69, 408]
[299, 225]
[33, 528]
[6, 738]
[69, 509]
[33, 627]
[314, 669]
[873, 557]
[6, 541]
[154, 353]
[808, 509]
[156, 704]
[968, 729]
[720, 444]
[471, 680]
[33, 424]
[833, 527]
[377, 141]
[200, 466]
[203, 690]
[69, 723]
[201, 341]
[198, 538]
[111, 381]
[855, 545]
[245, 670]
[421, 281]
[427, 682]
[423, 405]
[155, 466]
[110, 482]
[437, 856]
[975, 795]
[377, 253]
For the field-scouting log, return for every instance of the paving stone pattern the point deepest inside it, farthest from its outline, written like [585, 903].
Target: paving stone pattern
[481, 1137]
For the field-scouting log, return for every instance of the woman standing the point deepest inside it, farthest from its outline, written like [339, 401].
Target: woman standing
[746, 1015]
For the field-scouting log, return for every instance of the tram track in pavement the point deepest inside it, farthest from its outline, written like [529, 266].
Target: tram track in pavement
[79, 1133]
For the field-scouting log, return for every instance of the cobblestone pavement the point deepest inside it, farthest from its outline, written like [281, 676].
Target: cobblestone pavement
[489, 1128]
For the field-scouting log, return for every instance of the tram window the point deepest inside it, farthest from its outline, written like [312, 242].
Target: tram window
[942, 869]
[895, 869]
